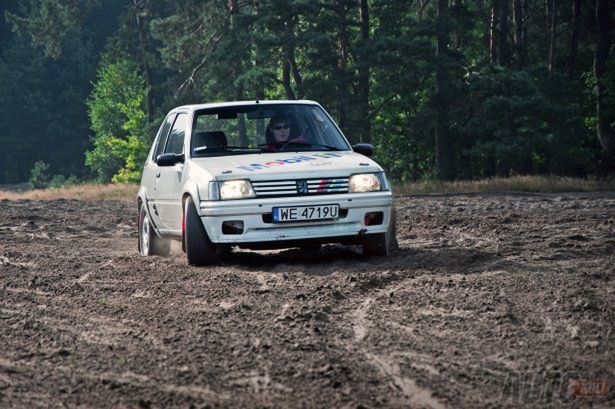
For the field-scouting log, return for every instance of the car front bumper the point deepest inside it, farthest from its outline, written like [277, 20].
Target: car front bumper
[254, 214]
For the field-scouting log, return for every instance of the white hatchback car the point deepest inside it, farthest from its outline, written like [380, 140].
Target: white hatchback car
[260, 175]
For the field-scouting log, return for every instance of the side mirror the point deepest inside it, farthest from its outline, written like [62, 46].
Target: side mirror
[363, 148]
[169, 159]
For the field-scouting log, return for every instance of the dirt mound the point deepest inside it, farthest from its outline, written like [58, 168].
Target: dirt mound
[488, 294]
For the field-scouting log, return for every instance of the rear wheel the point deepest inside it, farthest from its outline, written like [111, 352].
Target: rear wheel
[150, 244]
[200, 250]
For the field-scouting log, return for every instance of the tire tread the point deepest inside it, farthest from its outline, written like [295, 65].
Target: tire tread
[200, 251]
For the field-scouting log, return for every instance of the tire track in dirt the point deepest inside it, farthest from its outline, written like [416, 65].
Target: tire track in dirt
[360, 321]
[120, 379]
[415, 396]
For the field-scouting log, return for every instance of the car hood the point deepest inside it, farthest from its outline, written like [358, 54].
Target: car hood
[285, 165]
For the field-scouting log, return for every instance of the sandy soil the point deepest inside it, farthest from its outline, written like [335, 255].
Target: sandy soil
[485, 291]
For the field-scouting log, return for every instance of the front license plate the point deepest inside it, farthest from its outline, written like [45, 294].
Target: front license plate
[301, 213]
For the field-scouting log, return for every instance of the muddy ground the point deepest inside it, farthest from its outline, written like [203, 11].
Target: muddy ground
[485, 292]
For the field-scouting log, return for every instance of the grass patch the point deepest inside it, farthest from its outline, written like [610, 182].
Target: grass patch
[535, 184]
[122, 192]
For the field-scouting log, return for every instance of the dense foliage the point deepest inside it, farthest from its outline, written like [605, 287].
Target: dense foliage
[442, 88]
[117, 114]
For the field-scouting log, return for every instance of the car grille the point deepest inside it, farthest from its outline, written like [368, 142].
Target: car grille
[300, 187]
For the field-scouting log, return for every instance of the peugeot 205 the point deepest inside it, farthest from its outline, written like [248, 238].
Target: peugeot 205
[260, 175]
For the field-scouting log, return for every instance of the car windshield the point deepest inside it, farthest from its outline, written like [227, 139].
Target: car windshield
[264, 128]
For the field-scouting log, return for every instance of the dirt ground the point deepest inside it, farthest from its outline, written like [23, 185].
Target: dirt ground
[490, 298]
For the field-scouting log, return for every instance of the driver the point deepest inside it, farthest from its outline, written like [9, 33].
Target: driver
[278, 133]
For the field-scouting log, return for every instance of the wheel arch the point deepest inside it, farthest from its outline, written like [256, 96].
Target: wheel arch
[191, 190]
[142, 200]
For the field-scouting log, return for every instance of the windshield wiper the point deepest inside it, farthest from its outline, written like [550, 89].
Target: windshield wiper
[285, 144]
[223, 148]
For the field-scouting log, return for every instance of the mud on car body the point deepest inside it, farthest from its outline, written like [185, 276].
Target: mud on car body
[218, 176]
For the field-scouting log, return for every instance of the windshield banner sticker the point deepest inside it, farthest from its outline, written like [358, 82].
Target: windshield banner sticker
[295, 159]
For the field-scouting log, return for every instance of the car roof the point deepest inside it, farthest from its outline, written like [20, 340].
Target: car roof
[195, 107]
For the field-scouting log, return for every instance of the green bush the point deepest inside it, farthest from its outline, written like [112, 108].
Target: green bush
[117, 114]
[41, 179]
[39, 175]
[57, 181]
[71, 180]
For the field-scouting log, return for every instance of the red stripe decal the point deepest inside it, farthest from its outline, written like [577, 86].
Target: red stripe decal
[323, 184]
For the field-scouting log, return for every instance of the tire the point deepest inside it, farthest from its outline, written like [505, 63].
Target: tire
[224, 252]
[382, 244]
[150, 244]
[394, 244]
[376, 244]
[310, 249]
[200, 251]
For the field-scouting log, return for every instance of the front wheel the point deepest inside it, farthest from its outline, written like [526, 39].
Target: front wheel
[381, 244]
[200, 250]
[310, 249]
[150, 244]
[376, 245]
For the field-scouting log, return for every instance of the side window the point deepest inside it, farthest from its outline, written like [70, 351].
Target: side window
[176, 138]
[162, 135]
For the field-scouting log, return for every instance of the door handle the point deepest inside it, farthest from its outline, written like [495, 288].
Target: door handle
[157, 174]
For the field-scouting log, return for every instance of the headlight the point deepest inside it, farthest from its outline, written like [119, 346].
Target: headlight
[364, 182]
[236, 189]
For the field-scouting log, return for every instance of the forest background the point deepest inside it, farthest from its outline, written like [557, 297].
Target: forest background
[443, 89]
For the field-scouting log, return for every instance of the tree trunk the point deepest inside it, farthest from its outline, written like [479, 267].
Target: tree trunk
[571, 59]
[295, 72]
[484, 13]
[289, 56]
[606, 134]
[258, 62]
[519, 38]
[288, 89]
[443, 154]
[241, 125]
[493, 29]
[422, 5]
[233, 7]
[552, 39]
[456, 6]
[502, 55]
[149, 103]
[365, 123]
[342, 52]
